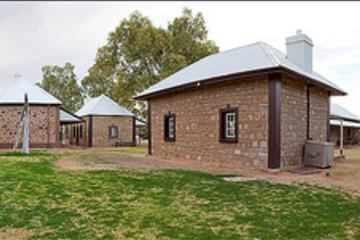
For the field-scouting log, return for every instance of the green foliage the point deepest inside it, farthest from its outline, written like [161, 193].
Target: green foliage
[61, 82]
[45, 203]
[138, 55]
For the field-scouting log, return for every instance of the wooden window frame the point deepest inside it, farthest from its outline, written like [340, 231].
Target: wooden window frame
[222, 125]
[110, 130]
[166, 127]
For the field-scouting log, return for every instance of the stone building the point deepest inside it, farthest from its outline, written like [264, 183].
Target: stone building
[107, 124]
[43, 115]
[350, 122]
[249, 106]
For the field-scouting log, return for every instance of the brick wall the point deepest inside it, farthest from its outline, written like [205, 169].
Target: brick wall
[43, 125]
[294, 118]
[197, 123]
[100, 132]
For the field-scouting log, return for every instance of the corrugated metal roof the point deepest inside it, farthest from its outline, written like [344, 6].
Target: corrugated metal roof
[139, 123]
[67, 117]
[335, 122]
[14, 94]
[257, 56]
[339, 111]
[102, 105]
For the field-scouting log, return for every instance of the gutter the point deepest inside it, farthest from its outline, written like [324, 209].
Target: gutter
[238, 76]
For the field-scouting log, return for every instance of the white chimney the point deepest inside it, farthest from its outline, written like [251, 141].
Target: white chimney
[18, 76]
[299, 50]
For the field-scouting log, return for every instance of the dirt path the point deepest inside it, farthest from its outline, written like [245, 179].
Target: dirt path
[345, 174]
[105, 160]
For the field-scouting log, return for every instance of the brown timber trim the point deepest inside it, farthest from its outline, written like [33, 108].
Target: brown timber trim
[222, 137]
[85, 134]
[134, 130]
[239, 76]
[48, 124]
[328, 138]
[308, 93]
[149, 126]
[90, 131]
[274, 139]
[57, 129]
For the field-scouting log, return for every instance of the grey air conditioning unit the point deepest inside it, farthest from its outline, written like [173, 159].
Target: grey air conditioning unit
[318, 154]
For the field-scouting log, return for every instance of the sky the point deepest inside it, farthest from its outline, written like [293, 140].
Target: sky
[34, 34]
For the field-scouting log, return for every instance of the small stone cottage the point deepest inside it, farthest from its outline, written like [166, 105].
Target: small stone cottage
[350, 122]
[106, 124]
[43, 115]
[249, 106]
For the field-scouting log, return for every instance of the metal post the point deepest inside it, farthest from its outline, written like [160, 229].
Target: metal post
[341, 137]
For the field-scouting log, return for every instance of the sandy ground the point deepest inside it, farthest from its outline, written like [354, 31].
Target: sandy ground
[345, 173]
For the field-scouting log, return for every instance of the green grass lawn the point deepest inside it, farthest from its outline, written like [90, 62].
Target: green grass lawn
[46, 203]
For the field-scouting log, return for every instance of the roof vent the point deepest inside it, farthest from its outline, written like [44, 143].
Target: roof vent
[299, 51]
[18, 76]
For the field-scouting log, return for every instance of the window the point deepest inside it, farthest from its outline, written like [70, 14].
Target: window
[169, 127]
[113, 131]
[74, 131]
[228, 125]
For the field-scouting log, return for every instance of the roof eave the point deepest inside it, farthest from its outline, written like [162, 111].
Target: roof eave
[277, 69]
[334, 91]
[208, 81]
[337, 117]
[30, 103]
[72, 114]
[106, 115]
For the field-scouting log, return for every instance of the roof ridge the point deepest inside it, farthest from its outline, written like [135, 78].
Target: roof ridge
[236, 48]
[269, 54]
[98, 98]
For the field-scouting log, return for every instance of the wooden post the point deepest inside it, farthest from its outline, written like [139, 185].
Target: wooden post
[274, 139]
[25, 147]
[341, 137]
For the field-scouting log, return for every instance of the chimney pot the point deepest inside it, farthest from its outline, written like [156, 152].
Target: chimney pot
[18, 76]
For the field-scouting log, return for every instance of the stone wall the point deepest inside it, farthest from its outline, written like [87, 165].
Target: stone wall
[318, 114]
[43, 125]
[294, 118]
[100, 131]
[197, 123]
